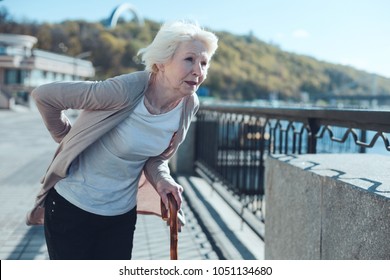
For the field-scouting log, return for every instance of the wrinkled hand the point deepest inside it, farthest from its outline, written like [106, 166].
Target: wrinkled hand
[166, 186]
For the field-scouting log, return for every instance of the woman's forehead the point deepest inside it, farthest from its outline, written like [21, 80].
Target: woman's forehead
[193, 47]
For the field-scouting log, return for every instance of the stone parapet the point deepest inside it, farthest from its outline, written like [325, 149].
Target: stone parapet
[327, 206]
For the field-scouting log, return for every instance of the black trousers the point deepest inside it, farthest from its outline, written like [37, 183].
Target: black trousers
[74, 234]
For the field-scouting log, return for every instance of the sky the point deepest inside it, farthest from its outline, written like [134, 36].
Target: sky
[348, 32]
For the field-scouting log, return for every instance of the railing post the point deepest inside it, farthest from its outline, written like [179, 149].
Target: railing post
[363, 138]
[312, 139]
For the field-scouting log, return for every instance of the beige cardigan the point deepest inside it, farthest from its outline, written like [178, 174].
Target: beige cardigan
[104, 105]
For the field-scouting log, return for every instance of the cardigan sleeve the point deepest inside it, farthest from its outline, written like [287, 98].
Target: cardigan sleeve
[51, 99]
[157, 169]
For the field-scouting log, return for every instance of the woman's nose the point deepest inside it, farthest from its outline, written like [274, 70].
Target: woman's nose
[197, 70]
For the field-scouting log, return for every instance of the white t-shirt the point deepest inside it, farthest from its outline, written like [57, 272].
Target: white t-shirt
[104, 178]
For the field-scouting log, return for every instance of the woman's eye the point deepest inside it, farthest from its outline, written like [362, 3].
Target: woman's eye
[189, 59]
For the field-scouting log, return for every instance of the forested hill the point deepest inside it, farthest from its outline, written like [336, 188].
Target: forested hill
[244, 67]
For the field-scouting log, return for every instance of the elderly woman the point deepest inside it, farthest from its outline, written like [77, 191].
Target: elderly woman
[113, 162]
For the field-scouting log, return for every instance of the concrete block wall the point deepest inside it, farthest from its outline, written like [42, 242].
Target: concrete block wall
[327, 206]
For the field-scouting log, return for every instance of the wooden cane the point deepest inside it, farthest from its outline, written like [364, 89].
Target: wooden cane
[172, 219]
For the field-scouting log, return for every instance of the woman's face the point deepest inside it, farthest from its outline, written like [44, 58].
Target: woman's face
[187, 69]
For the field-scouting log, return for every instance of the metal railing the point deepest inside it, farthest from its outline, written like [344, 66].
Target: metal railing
[232, 142]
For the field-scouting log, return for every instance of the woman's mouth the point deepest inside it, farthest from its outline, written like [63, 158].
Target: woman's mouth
[191, 83]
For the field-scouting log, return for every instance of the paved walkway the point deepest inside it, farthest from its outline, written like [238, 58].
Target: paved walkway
[26, 149]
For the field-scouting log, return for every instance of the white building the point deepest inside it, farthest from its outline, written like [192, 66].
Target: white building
[23, 68]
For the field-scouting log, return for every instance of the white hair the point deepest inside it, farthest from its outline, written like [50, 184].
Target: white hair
[168, 38]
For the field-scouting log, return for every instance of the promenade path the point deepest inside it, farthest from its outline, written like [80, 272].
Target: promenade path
[26, 149]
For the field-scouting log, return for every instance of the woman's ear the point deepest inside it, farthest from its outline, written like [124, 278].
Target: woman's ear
[160, 67]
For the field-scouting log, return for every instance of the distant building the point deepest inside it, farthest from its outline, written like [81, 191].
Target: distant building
[23, 68]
